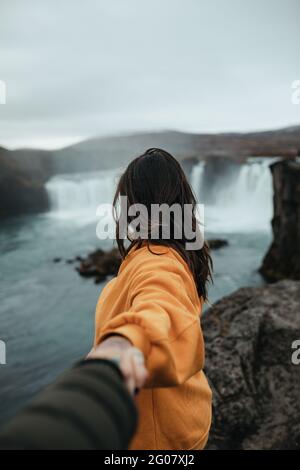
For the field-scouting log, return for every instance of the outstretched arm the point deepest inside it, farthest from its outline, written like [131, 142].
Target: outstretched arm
[162, 321]
[89, 407]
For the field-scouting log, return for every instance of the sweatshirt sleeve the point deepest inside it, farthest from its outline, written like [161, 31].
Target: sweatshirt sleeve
[162, 320]
[87, 408]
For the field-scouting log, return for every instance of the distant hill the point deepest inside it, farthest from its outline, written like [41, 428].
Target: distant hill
[114, 152]
[110, 152]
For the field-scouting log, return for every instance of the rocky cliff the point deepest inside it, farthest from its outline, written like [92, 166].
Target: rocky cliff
[249, 337]
[283, 258]
[20, 191]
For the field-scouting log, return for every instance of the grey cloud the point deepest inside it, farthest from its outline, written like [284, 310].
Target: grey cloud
[74, 69]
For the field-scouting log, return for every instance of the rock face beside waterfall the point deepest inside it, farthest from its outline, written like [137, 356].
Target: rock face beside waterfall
[19, 192]
[249, 337]
[283, 258]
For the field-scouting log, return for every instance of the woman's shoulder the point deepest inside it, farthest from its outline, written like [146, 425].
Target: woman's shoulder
[158, 262]
[154, 257]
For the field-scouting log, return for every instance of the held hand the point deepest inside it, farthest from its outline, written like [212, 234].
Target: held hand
[129, 359]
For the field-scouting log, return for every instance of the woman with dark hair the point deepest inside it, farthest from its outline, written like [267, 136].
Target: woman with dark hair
[155, 302]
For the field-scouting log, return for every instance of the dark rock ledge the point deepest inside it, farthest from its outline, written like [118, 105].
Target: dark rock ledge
[282, 260]
[256, 387]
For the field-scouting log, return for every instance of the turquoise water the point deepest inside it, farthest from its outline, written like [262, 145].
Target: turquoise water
[46, 309]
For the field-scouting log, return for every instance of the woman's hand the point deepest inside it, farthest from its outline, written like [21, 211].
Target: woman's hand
[129, 359]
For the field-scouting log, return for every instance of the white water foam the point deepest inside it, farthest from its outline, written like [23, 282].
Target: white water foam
[77, 196]
[243, 205]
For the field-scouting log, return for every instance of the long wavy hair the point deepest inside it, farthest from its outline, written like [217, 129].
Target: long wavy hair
[156, 177]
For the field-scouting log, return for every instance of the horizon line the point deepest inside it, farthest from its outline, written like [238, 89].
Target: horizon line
[71, 141]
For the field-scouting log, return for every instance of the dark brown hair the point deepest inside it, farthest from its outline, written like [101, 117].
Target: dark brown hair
[156, 177]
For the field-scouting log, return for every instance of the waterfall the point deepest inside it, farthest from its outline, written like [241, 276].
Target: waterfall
[81, 192]
[245, 204]
[196, 177]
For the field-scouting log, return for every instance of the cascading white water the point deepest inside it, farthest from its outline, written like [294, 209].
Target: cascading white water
[81, 193]
[196, 177]
[243, 205]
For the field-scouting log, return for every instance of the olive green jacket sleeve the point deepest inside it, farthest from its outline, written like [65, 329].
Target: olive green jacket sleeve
[89, 407]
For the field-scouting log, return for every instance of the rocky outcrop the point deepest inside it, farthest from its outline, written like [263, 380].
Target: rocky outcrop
[216, 243]
[256, 386]
[283, 258]
[101, 264]
[37, 164]
[19, 192]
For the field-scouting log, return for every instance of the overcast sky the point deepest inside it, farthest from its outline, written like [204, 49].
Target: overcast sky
[77, 68]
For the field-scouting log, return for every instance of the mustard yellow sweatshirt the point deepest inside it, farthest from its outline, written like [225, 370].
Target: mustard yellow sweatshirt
[153, 302]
